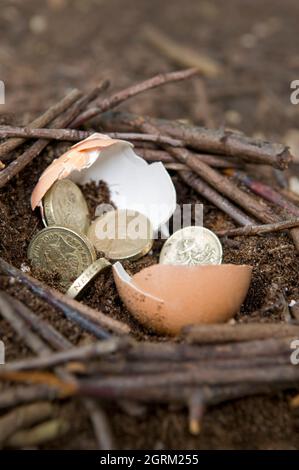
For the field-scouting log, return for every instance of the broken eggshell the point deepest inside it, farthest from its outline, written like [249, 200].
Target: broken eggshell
[133, 183]
[166, 298]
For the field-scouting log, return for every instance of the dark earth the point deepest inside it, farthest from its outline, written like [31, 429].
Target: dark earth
[47, 48]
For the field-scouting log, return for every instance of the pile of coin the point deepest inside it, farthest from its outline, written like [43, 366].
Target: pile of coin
[70, 242]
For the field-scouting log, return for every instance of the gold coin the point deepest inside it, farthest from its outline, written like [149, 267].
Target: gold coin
[88, 275]
[191, 246]
[65, 205]
[122, 234]
[63, 251]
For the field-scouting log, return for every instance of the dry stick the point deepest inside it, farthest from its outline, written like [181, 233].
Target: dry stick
[101, 425]
[89, 319]
[40, 434]
[57, 340]
[217, 141]
[123, 95]
[184, 352]
[219, 182]
[41, 121]
[250, 230]
[182, 55]
[23, 417]
[265, 191]
[211, 334]
[196, 405]
[108, 367]
[44, 329]
[61, 121]
[31, 339]
[19, 395]
[153, 155]
[212, 395]
[74, 135]
[90, 351]
[215, 198]
[257, 208]
[121, 386]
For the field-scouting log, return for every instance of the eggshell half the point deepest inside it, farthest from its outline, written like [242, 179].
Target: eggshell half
[133, 183]
[166, 298]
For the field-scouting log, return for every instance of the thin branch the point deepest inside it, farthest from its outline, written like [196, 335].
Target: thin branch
[42, 121]
[181, 55]
[251, 230]
[265, 191]
[89, 319]
[211, 334]
[219, 141]
[7, 311]
[101, 425]
[153, 155]
[93, 350]
[123, 95]
[65, 119]
[23, 417]
[215, 198]
[74, 135]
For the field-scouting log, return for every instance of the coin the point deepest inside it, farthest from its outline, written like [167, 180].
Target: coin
[88, 275]
[122, 234]
[191, 246]
[63, 251]
[65, 205]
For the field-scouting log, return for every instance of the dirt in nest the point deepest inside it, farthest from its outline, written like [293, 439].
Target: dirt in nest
[69, 45]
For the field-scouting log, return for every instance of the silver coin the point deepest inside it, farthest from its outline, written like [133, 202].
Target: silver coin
[192, 246]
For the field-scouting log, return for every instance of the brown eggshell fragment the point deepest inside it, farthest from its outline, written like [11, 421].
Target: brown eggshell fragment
[74, 159]
[166, 298]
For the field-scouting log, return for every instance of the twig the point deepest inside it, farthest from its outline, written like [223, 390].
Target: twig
[153, 155]
[123, 95]
[181, 55]
[101, 425]
[41, 121]
[265, 191]
[74, 135]
[57, 340]
[202, 111]
[217, 141]
[182, 352]
[40, 434]
[34, 342]
[196, 407]
[20, 395]
[122, 386]
[93, 350]
[250, 230]
[211, 334]
[253, 206]
[89, 319]
[43, 328]
[23, 417]
[217, 199]
[256, 208]
[65, 119]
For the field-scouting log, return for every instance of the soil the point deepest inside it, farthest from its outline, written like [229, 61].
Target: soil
[48, 48]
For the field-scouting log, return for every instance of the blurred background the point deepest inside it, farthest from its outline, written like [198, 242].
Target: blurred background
[48, 47]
